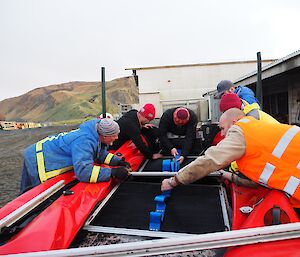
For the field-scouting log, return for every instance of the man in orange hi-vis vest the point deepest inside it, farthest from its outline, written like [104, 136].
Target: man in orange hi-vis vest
[266, 153]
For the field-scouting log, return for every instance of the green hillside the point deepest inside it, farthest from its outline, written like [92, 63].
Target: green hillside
[69, 101]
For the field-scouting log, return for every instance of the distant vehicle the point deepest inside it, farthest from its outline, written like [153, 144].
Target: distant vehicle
[108, 115]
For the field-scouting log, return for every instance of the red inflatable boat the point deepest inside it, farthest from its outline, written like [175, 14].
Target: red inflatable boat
[62, 212]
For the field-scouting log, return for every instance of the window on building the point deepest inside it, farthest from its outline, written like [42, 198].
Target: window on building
[277, 106]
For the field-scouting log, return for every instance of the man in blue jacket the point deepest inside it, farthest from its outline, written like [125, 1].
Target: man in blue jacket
[245, 93]
[76, 150]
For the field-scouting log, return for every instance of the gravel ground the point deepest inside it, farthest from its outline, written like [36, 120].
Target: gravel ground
[97, 239]
[12, 145]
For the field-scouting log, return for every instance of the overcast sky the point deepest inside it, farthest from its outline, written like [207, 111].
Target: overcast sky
[46, 42]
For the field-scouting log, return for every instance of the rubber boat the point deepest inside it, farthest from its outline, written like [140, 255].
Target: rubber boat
[65, 217]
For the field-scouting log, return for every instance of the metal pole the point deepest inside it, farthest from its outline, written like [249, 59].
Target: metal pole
[133, 232]
[182, 243]
[164, 174]
[153, 174]
[103, 92]
[27, 207]
[259, 82]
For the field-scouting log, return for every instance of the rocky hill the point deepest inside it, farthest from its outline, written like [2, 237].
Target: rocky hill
[67, 101]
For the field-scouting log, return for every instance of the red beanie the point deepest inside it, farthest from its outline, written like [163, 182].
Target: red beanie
[228, 101]
[181, 116]
[148, 111]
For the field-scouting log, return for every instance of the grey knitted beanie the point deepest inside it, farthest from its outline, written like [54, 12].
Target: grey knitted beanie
[107, 127]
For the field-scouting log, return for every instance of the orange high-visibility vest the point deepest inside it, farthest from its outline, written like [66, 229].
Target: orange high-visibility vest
[272, 156]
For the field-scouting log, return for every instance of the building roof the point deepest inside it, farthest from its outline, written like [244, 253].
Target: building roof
[286, 63]
[199, 64]
[278, 66]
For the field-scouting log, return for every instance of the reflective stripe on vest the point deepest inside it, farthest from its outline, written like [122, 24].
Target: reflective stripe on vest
[245, 120]
[278, 152]
[108, 158]
[284, 141]
[291, 185]
[266, 174]
[95, 174]
[278, 164]
[43, 175]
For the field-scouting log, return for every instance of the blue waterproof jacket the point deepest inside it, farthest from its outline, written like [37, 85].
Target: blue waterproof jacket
[75, 150]
[246, 94]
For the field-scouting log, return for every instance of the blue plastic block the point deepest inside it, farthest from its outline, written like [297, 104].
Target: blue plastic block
[160, 202]
[172, 166]
[177, 166]
[166, 165]
[155, 219]
[167, 193]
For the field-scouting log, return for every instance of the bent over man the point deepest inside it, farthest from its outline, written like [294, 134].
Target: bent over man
[266, 153]
[133, 124]
[180, 122]
[76, 150]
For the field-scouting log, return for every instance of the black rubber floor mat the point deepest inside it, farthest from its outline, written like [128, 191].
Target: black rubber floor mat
[190, 209]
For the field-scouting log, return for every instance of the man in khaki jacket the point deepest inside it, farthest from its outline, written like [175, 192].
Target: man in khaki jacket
[231, 148]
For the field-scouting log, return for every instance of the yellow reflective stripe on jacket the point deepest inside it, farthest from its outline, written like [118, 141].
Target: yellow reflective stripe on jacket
[41, 166]
[95, 173]
[39, 145]
[108, 158]
[54, 173]
[43, 175]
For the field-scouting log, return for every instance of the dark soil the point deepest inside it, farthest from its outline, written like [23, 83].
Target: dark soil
[12, 145]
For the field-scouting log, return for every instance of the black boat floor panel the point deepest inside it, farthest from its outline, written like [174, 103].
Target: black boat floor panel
[190, 209]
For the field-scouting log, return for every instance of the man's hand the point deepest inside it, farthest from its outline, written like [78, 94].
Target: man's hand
[121, 173]
[180, 159]
[156, 156]
[166, 185]
[122, 162]
[147, 126]
[174, 151]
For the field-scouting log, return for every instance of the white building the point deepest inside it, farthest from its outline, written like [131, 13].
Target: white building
[168, 86]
